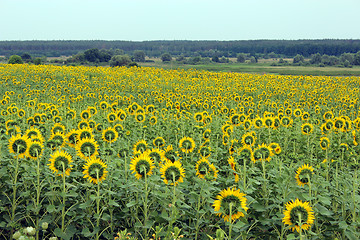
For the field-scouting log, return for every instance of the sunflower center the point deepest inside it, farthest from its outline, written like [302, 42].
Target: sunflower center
[88, 149]
[19, 146]
[155, 156]
[226, 201]
[186, 145]
[109, 135]
[35, 150]
[203, 168]
[204, 151]
[170, 155]
[96, 170]
[59, 162]
[172, 173]
[142, 167]
[304, 175]
[296, 212]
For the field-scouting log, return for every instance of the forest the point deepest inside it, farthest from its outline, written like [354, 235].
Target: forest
[285, 48]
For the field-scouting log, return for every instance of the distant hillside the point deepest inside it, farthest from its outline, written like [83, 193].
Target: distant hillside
[286, 48]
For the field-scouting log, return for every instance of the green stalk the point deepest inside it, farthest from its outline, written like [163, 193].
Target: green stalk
[14, 200]
[146, 202]
[63, 200]
[97, 204]
[355, 187]
[230, 220]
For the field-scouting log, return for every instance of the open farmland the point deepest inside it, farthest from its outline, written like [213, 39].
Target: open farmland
[89, 152]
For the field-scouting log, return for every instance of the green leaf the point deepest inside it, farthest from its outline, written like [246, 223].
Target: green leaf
[130, 204]
[323, 210]
[50, 208]
[325, 200]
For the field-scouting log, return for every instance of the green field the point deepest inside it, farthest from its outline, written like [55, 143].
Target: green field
[261, 68]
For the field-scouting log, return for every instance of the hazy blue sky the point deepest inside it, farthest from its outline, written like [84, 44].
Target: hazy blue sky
[139, 20]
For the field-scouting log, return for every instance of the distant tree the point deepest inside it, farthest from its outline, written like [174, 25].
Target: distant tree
[133, 64]
[120, 60]
[26, 57]
[215, 58]
[298, 59]
[37, 61]
[240, 57]
[315, 58]
[139, 56]
[253, 59]
[15, 59]
[105, 55]
[166, 57]
[195, 60]
[347, 57]
[92, 55]
[180, 58]
[357, 58]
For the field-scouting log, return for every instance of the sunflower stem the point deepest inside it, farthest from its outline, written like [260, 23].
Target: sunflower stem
[38, 189]
[230, 220]
[145, 201]
[355, 187]
[97, 204]
[63, 200]
[14, 200]
[300, 226]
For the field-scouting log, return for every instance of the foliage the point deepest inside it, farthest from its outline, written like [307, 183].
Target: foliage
[166, 57]
[139, 56]
[120, 60]
[15, 59]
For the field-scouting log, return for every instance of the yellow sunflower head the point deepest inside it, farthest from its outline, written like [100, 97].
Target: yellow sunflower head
[72, 137]
[275, 148]
[172, 172]
[307, 128]
[248, 139]
[35, 150]
[187, 144]
[140, 146]
[87, 148]
[60, 163]
[262, 153]
[18, 145]
[324, 143]
[95, 170]
[230, 204]
[298, 211]
[169, 154]
[159, 142]
[109, 135]
[205, 170]
[303, 174]
[142, 165]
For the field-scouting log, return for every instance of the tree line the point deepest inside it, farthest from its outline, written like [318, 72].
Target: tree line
[285, 48]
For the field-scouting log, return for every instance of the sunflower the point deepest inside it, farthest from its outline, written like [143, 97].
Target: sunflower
[72, 137]
[103, 105]
[298, 210]
[297, 112]
[95, 170]
[324, 143]
[275, 148]
[58, 138]
[111, 117]
[168, 154]
[339, 124]
[205, 170]
[262, 153]
[87, 148]
[121, 115]
[232, 163]
[233, 199]
[35, 150]
[343, 147]
[140, 117]
[269, 121]
[154, 154]
[110, 135]
[199, 117]
[142, 165]
[140, 146]
[303, 174]
[226, 139]
[248, 139]
[187, 144]
[246, 153]
[18, 145]
[258, 122]
[159, 142]
[205, 151]
[207, 134]
[85, 114]
[305, 116]
[172, 172]
[60, 163]
[33, 132]
[247, 124]
[356, 139]
[235, 119]
[153, 120]
[85, 133]
[307, 128]
[328, 115]
[83, 124]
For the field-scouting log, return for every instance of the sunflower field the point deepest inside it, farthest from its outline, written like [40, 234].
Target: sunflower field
[146, 153]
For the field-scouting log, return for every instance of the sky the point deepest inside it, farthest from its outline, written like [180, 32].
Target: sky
[144, 20]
